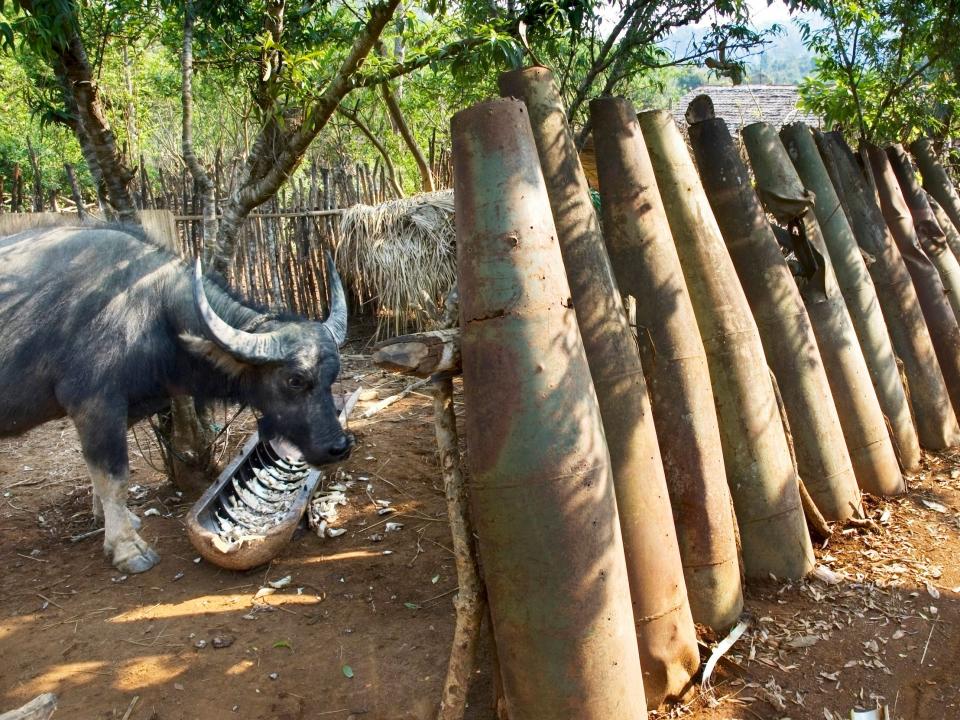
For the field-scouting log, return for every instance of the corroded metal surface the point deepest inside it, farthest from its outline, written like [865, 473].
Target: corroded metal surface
[666, 635]
[760, 473]
[937, 312]
[949, 229]
[784, 196]
[933, 414]
[857, 289]
[675, 364]
[541, 485]
[788, 340]
[932, 238]
[936, 181]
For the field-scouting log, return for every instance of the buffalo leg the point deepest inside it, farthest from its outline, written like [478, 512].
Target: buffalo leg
[98, 512]
[103, 438]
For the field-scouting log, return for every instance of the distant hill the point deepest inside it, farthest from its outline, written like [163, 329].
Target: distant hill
[782, 61]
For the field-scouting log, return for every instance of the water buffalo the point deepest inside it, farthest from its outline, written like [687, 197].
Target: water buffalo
[102, 326]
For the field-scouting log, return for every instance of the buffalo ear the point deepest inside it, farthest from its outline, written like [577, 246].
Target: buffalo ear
[209, 350]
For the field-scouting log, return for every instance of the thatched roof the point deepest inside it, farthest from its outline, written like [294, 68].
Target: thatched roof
[741, 105]
[401, 257]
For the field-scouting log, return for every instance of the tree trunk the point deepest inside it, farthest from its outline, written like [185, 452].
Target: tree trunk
[72, 68]
[75, 191]
[73, 64]
[396, 114]
[191, 445]
[278, 151]
[208, 190]
[37, 179]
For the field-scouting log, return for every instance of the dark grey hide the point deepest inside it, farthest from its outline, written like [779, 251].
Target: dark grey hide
[101, 326]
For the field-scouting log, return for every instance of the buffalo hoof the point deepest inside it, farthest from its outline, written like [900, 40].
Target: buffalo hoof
[134, 557]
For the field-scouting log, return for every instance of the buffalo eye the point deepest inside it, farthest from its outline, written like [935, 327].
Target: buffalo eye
[297, 382]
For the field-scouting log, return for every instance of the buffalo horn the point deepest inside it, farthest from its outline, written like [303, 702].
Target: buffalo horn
[336, 321]
[256, 348]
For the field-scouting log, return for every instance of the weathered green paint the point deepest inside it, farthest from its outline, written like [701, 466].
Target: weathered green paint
[783, 194]
[933, 414]
[766, 497]
[674, 362]
[666, 635]
[932, 238]
[949, 229]
[857, 289]
[788, 340]
[541, 486]
[941, 322]
[936, 181]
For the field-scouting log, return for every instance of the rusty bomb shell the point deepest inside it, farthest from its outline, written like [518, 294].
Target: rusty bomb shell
[674, 362]
[941, 322]
[857, 289]
[666, 635]
[936, 181]
[783, 194]
[773, 531]
[788, 340]
[949, 230]
[932, 238]
[541, 484]
[933, 414]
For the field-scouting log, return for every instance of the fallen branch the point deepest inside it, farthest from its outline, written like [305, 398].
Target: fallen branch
[387, 402]
[40, 708]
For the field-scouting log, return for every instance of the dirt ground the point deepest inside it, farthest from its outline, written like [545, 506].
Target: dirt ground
[364, 628]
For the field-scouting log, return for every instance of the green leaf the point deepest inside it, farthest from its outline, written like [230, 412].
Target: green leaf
[282, 644]
[411, 606]
[347, 671]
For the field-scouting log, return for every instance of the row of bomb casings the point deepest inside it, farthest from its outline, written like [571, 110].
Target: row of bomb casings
[582, 438]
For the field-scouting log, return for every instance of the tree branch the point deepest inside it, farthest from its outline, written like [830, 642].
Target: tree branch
[381, 148]
[447, 52]
[199, 173]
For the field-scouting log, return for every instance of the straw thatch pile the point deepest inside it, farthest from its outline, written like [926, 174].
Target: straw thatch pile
[400, 256]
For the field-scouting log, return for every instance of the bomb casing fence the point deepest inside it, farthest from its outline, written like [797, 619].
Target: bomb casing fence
[874, 461]
[932, 238]
[949, 229]
[933, 414]
[857, 289]
[788, 340]
[666, 635]
[542, 490]
[941, 322]
[936, 181]
[674, 362]
[763, 484]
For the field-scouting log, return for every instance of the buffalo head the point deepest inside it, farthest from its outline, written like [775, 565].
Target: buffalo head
[287, 372]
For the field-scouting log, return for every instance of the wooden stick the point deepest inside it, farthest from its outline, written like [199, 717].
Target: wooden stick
[130, 707]
[420, 354]
[40, 708]
[470, 602]
[387, 402]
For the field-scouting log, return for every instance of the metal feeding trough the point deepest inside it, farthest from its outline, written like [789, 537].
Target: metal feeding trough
[252, 510]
